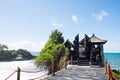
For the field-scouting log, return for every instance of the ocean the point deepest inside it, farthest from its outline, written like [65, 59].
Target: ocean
[35, 53]
[112, 58]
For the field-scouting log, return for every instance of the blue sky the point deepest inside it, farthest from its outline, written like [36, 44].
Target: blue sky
[28, 23]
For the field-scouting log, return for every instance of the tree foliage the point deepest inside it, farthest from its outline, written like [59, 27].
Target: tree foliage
[55, 38]
[53, 50]
[3, 47]
[13, 54]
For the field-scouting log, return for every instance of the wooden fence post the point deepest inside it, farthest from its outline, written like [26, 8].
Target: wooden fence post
[18, 73]
[109, 72]
[66, 63]
[71, 60]
[53, 71]
[106, 67]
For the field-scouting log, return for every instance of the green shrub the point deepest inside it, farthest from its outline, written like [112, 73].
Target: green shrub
[117, 73]
[53, 51]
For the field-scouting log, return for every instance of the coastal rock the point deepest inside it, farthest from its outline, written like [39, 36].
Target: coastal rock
[12, 55]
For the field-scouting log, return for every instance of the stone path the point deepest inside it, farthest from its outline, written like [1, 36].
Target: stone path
[75, 72]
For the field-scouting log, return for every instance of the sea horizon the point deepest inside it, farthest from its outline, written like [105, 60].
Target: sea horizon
[36, 53]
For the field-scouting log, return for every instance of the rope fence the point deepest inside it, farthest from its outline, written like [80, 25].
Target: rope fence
[18, 71]
[32, 71]
[108, 71]
[10, 75]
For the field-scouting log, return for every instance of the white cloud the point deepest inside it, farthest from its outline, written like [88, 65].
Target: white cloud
[112, 47]
[100, 16]
[75, 19]
[56, 24]
[24, 44]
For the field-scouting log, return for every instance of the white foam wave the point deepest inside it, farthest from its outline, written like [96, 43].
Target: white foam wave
[6, 68]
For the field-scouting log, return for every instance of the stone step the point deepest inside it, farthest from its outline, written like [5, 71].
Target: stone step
[81, 62]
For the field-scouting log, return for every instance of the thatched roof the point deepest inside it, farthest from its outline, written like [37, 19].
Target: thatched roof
[95, 39]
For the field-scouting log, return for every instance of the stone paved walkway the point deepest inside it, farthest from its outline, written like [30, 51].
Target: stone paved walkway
[75, 72]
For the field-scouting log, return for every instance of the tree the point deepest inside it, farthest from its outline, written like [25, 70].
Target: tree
[25, 54]
[55, 38]
[3, 47]
[53, 51]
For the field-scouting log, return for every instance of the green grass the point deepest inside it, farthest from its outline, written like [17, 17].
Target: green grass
[117, 73]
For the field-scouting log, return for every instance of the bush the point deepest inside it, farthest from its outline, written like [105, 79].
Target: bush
[53, 51]
[117, 73]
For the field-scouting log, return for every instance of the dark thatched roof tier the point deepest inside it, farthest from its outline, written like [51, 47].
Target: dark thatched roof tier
[95, 39]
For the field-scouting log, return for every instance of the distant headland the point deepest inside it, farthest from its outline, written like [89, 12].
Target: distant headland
[14, 55]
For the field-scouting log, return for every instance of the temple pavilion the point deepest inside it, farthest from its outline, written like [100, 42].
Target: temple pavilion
[88, 51]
